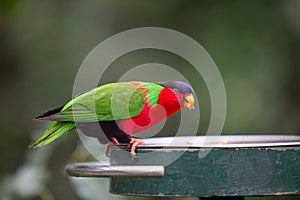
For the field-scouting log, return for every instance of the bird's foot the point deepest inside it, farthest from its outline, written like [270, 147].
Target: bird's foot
[113, 141]
[133, 144]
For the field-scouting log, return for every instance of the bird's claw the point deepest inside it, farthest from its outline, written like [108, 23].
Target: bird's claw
[133, 144]
[113, 141]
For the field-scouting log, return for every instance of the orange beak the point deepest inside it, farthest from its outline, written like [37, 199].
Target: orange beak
[189, 102]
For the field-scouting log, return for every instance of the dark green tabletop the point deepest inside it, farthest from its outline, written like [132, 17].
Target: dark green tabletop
[205, 167]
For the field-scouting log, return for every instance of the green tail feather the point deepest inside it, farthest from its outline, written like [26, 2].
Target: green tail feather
[56, 130]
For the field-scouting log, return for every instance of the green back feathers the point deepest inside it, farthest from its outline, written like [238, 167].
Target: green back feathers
[153, 92]
[108, 102]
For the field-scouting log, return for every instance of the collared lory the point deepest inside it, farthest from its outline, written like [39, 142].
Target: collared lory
[121, 109]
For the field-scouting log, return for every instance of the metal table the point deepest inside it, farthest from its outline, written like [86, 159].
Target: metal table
[203, 166]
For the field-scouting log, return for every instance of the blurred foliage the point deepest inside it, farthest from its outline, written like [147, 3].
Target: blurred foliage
[254, 43]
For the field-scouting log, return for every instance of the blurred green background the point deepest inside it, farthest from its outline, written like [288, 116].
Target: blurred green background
[254, 43]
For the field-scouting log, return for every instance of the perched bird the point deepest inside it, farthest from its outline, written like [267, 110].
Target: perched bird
[121, 109]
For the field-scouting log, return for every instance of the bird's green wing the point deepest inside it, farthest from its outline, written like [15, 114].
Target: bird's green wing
[112, 101]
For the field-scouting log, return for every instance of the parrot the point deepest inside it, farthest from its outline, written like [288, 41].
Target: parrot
[121, 109]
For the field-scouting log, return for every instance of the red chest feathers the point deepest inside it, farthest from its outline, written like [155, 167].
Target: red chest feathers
[168, 103]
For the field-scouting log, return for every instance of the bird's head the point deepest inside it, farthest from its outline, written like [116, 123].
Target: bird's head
[186, 91]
